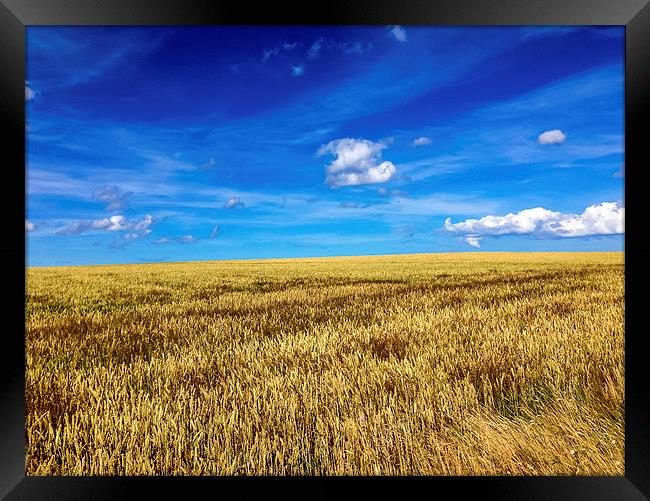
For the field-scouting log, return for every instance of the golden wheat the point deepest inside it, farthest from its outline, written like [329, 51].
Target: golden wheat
[457, 364]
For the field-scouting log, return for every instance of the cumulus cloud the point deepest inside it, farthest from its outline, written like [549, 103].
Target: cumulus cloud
[554, 136]
[399, 33]
[358, 161]
[606, 218]
[29, 226]
[113, 197]
[297, 71]
[421, 141]
[113, 223]
[233, 202]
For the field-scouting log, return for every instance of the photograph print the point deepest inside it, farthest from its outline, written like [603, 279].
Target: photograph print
[324, 250]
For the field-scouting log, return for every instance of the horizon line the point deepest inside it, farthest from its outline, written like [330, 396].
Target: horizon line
[319, 257]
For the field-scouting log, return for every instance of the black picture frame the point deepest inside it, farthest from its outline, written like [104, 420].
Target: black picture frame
[15, 15]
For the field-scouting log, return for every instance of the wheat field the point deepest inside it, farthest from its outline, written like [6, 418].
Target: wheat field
[438, 364]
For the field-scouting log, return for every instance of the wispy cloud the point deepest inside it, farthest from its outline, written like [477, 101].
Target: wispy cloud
[315, 48]
[183, 239]
[339, 47]
[29, 226]
[606, 218]
[358, 161]
[92, 56]
[113, 196]
[210, 164]
[269, 53]
[620, 172]
[188, 239]
[114, 223]
[44, 182]
[424, 168]
[275, 51]
[385, 192]
[233, 202]
[215, 232]
[298, 71]
[356, 47]
[399, 33]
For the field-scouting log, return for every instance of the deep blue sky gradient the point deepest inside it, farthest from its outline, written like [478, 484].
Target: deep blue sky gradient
[178, 120]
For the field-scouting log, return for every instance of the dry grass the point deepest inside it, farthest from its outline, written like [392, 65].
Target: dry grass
[463, 364]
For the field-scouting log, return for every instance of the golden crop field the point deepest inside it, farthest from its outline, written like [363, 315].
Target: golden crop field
[438, 364]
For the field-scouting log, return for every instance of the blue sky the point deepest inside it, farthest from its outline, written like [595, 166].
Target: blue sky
[195, 143]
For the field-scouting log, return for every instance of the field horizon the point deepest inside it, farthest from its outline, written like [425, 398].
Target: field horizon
[443, 364]
[341, 256]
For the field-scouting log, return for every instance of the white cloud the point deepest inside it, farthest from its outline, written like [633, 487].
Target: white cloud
[29, 93]
[297, 71]
[606, 218]
[215, 232]
[162, 241]
[233, 202]
[358, 161]
[554, 136]
[399, 33]
[29, 226]
[421, 141]
[474, 241]
[113, 223]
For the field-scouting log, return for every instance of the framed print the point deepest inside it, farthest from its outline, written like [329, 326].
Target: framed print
[388, 243]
